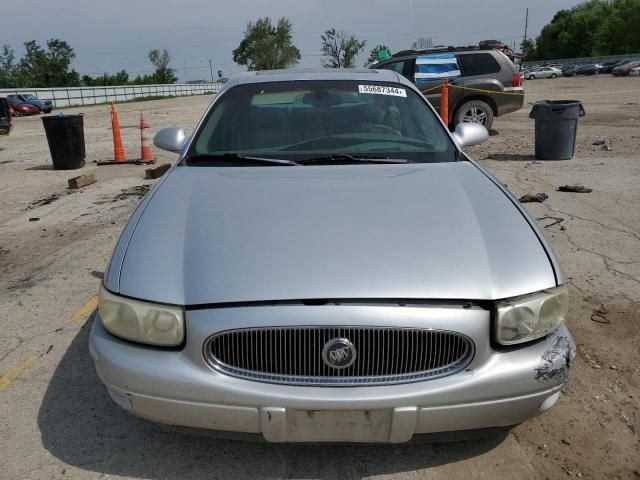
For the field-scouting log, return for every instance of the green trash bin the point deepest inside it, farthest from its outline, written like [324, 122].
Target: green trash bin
[556, 128]
[65, 135]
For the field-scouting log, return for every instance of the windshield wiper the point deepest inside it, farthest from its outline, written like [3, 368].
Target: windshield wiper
[235, 159]
[347, 158]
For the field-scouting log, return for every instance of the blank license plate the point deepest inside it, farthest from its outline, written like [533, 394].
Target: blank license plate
[338, 426]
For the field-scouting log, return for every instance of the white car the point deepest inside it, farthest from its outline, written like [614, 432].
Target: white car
[545, 72]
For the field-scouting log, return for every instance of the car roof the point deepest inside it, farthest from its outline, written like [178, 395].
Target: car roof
[289, 75]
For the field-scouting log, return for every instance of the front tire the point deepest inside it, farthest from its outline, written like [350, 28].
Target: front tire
[553, 75]
[475, 111]
[532, 77]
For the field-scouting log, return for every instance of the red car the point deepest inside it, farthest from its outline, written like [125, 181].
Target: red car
[20, 108]
[625, 69]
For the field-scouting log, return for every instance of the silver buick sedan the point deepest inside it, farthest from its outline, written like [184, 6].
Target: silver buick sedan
[324, 263]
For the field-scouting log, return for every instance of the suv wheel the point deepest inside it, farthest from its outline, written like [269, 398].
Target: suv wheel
[475, 111]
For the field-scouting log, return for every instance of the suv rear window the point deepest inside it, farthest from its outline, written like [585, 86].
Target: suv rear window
[478, 64]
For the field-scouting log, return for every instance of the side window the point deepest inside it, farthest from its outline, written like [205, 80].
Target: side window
[478, 64]
[397, 67]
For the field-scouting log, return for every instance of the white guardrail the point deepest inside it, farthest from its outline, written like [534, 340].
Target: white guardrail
[65, 97]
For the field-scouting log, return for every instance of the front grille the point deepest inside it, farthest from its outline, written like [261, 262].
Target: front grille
[294, 355]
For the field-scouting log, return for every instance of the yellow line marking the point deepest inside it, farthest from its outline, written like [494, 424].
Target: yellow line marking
[14, 373]
[86, 309]
[10, 188]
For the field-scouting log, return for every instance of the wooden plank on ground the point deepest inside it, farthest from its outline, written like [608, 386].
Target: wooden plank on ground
[157, 172]
[82, 181]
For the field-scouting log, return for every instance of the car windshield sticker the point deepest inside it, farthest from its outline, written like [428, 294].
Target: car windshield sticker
[435, 67]
[382, 90]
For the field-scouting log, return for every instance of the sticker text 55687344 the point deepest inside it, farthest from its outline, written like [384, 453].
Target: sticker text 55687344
[382, 90]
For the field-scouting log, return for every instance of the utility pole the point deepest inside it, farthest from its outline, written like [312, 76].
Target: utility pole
[413, 33]
[526, 24]
[211, 69]
[524, 39]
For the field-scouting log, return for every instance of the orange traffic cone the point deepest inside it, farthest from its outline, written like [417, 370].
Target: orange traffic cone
[146, 154]
[118, 149]
[444, 102]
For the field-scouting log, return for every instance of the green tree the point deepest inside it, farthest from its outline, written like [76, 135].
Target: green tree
[8, 67]
[528, 49]
[267, 47]
[373, 55]
[106, 79]
[163, 73]
[618, 33]
[340, 49]
[47, 68]
[572, 33]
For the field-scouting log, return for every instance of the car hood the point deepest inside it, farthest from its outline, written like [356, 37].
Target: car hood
[417, 231]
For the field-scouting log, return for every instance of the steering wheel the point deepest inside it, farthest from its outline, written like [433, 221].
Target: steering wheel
[380, 128]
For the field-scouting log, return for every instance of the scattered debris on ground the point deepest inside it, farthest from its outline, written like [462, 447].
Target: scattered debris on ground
[556, 221]
[599, 314]
[46, 200]
[574, 189]
[139, 191]
[533, 197]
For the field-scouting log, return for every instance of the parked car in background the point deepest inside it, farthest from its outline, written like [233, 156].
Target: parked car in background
[343, 272]
[570, 70]
[608, 66]
[543, 72]
[45, 106]
[5, 116]
[588, 69]
[483, 69]
[635, 72]
[20, 107]
[625, 68]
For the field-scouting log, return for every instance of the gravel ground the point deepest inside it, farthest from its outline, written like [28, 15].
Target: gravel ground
[58, 422]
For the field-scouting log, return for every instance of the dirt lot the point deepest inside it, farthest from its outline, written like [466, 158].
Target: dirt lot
[58, 422]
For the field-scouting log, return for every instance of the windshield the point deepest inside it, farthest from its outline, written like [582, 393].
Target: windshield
[28, 97]
[306, 119]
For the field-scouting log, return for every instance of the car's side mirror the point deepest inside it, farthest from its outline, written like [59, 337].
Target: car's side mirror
[468, 134]
[172, 139]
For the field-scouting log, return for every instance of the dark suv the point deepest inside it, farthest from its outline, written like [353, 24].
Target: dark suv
[488, 86]
[5, 117]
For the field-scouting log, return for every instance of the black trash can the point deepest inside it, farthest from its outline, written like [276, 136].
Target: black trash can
[65, 134]
[556, 128]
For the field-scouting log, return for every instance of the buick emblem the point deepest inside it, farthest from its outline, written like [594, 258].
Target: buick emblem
[339, 353]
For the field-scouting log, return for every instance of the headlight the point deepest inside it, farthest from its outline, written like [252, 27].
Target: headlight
[533, 316]
[139, 321]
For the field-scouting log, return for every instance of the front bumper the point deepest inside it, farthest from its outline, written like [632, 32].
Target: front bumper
[498, 389]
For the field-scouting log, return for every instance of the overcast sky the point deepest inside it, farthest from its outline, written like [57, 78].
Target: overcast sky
[109, 35]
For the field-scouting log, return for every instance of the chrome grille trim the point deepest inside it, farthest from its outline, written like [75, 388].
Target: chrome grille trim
[292, 355]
